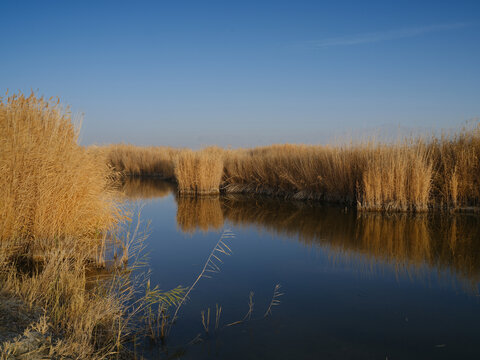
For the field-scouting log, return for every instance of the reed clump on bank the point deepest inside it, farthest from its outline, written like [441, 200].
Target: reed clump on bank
[55, 214]
[199, 172]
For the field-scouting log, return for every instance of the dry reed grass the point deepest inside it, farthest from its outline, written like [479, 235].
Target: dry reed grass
[139, 161]
[396, 178]
[456, 164]
[49, 185]
[55, 213]
[297, 171]
[410, 175]
[199, 172]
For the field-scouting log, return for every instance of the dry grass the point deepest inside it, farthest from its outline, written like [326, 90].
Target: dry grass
[88, 319]
[410, 175]
[456, 164]
[49, 185]
[373, 176]
[396, 178]
[298, 171]
[139, 161]
[199, 172]
[55, 214]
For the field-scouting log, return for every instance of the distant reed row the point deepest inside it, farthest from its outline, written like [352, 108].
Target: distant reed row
[414, 174]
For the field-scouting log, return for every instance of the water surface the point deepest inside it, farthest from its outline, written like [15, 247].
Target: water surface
[355, 286]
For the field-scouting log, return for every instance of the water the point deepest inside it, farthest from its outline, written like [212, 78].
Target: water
[355, 286]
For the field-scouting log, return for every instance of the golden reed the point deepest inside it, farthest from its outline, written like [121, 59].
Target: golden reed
[55, 212]
[138, 161]
[199, 172]
[411, 175]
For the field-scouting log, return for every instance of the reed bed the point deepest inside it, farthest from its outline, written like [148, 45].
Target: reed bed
[56, 212]
[295, 171]
[374, 177]
[413, 175]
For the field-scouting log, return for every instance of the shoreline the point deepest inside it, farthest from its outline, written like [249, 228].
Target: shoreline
[303, 196]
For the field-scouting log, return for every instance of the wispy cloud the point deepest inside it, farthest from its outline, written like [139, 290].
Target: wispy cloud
[365, 38]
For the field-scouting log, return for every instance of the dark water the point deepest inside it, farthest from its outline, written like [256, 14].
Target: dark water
[355, 286]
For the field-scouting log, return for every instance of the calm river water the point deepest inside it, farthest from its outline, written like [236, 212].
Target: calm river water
[355, 286]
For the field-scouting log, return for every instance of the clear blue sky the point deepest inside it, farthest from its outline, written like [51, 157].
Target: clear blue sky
[187, 73]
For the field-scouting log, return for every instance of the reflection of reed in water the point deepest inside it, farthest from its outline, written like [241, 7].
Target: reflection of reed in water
[311, 224]
[446, 242]
[199, 212]
[399, 238]
[136, 188]
[459, 246]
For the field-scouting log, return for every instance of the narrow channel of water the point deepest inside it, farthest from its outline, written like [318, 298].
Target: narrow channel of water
[355, 286]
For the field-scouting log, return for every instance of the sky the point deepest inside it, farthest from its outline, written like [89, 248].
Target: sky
[246, 73]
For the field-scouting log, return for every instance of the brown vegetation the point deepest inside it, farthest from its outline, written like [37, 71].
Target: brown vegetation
[49, 185]
[199, 172]
[55, 214]
[139, 161]
[410, 175]
[298, 171]
[396, 178]
[456, 168]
